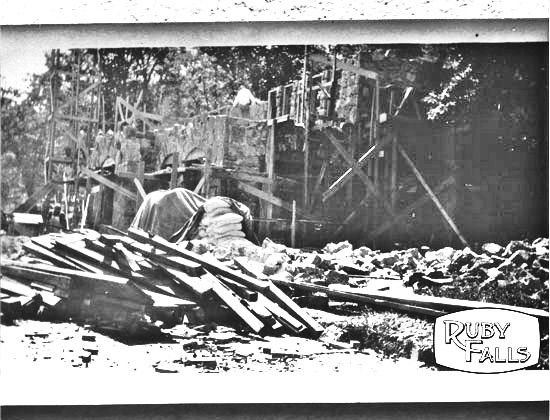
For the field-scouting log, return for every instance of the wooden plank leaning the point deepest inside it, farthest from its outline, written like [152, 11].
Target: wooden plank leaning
[368, 183]
[108, 183]
[431, 194]
[407, 210]
[362, 161]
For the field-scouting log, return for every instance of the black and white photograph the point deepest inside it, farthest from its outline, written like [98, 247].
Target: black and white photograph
[201, 211]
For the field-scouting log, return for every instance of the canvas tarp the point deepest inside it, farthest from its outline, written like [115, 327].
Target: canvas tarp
[164, 212]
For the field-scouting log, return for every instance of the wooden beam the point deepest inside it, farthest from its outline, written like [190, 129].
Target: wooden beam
[48, 255]
[393, 179]
[138, 182]
[356, 166]
[199, 186]
[234, 303]
[372, 189]
[266, 207]
[270, 198]
[174, 173]
[280, 298]
[243, 176]
[84, 92]
[141, 192]
[349, 296]
[318, 183]
[137, 114]
[406, 94]
[109, 184]
[433, 197]
[369, 74]
[307, 112]
[407, 210]
[75, 118]
[210, 264]
[293, 226]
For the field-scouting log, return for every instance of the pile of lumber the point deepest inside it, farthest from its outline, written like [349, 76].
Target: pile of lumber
[133, 283]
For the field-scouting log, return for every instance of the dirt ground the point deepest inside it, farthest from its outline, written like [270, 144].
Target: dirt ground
[61, 347]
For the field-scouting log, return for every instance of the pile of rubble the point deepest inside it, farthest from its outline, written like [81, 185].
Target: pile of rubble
[513, 275]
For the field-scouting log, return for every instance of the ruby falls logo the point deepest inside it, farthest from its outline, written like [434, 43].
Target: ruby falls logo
[486, 340]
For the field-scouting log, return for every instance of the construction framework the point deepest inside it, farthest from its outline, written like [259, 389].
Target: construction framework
[367, 150]
[76, 114]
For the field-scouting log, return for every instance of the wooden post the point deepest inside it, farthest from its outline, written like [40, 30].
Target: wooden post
[175, 166]
[115, 128]
[85, 211]
[98, 203]
[206, 175]
[432, 195]
[293, 226]
[267, 212]
[103, 112]
[377, 158]
[393, 181]
[307, 108]
[139, 184]
[352, 141]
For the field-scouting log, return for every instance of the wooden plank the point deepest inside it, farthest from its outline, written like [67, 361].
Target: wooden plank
[449, 304]
[266, 206]
[406, 94]
[369, 74]
[108, 183]
[79, 251]
[183, 264]
[117, 286]
[199, 185]
[84, 92]
[433, 197]
[49, 256]
[360, 298]
[195, 285]
[268, 197]
[372, 189]
[161, 300]
[416, 204]
[393, 180]
[239, 289]
[138, 182]
[75, 118]
[293, 226]
[356, 166]
[234, 303]
[307, 116]
[14, 286]
[243, 176]
[137, 114]
[174, 173]
[209, 263]
[141, 192]
[282, 316]
[280, 298]
[60, 281]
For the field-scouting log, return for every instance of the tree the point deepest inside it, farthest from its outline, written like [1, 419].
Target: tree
[24, 131]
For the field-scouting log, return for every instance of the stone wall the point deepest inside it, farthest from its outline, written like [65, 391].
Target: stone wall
[230, 142]
[203, 136]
